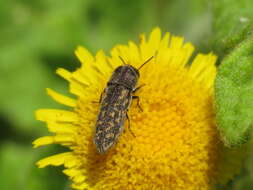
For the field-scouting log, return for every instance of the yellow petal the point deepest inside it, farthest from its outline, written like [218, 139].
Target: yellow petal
[56, 160]
[165, 41]
[61, 128]
[75, 175]
[82, 186]
[144, 48]
[102, 63]
[56, 115]
[203, 68]
[134, 54]
[61, 98]
[79, 88]
[188, 49]
[60, 139]
[176, 42]
[198, 65]
[84, 79]
[84, 55]
[155, 38]
[64, 73]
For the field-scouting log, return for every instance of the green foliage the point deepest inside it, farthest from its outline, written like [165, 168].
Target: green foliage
[232, 23]
[18, 171]
[234, 90]
[233, 42]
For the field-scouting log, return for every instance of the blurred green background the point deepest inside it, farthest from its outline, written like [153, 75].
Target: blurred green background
[39, 36]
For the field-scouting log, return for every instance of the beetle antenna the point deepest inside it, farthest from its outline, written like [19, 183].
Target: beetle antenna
[145, 62]
[122, 60]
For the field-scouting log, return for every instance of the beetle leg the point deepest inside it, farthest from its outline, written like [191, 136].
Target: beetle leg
[136, 89]
[138, 102]
[128, 120]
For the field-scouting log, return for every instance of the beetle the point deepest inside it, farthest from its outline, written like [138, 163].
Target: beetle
[114, 104]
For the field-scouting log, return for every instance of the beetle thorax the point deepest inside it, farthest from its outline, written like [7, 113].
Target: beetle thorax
[125, 75]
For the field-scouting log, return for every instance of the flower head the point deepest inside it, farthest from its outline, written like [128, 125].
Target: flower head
[175, 143]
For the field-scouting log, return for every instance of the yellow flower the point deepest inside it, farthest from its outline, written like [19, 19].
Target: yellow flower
[176, 144]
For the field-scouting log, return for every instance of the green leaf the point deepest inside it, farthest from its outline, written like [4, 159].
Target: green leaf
[22, 84]
[234, 95]
[19, 172]
[232, 23]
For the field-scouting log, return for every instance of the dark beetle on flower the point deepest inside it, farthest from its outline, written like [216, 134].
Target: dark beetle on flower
[115, 101]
